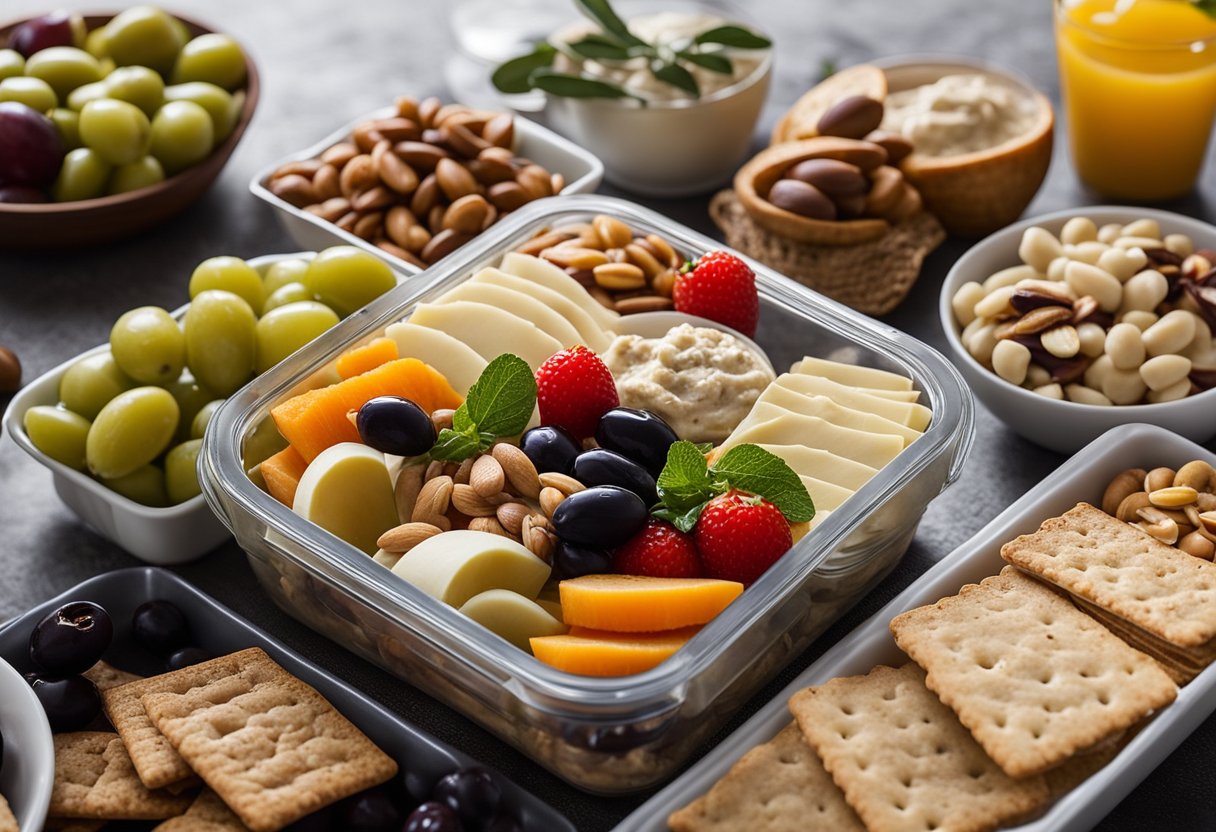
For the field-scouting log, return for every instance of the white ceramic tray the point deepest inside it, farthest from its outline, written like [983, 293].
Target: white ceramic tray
[1084, 477]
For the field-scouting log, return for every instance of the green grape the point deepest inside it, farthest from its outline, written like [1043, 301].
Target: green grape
[284, 330]
[64, 67]
[67, 122]
[288, 293]
[118, 131]
[96, 44]
[214, 58]
[144, 35]
[148, 345]
[345, 278]
[191, 398]
[133, 429]
[182, 135]
[33, 92]
[83, 176]
[221, 340]
[11, 64]
[203, 418]
[89, 92]
[91, 382]
[283, 272]
[58, 433]
[138, 174]
[231, 274]
[145, 485]
[137, 85]
[215, 100]
[181, 471]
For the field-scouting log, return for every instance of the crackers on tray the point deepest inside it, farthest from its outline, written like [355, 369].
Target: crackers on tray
[94, 779]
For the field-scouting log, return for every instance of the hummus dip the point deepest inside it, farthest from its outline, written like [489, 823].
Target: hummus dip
[958, 114]
[701, 381]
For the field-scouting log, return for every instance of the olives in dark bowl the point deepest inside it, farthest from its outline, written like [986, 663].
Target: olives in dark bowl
[637, 434]
[551, 449]
[433, 817]
[600, 517]
[160, 627]
[393, 425]
[70, 703]
[604, 467]
[71, 639]
[471, 793]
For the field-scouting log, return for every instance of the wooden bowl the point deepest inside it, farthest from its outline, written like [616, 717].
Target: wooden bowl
[106, 218]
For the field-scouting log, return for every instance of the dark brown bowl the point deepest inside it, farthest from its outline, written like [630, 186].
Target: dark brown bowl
[107, 218]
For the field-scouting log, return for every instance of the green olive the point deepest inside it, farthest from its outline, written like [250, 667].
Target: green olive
[91, 382]
[203, 418]
[215, 100]
[231, 274]
[32, 92]
[145, 485]
[181, 471]
[214, 58]
[118, 131]
[137, 85]
[138, 174]
[191, 398]
[133, 429]
[144, 36]
[67, 122]
[96, 44]
[285, 294]
[58, 433]
[182, 135]
[11, 63]
[221, 340]
[83, 176]
[281, 273]
[64, 67]
[89, 92]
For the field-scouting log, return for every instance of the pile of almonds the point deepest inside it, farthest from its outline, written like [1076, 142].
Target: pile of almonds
[625, 271]
[1176, 507]
[420, 183]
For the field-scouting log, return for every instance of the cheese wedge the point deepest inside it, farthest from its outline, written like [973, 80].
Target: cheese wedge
[825, 495]
[347, 491]
[915, 416]
[518, 304]
[852, 374]
[835, 413]
[489, 331]
[457, 565]
[512, 616]
[823, 465]
[772, 425]
[460, 364]
[593, 335]
[551, 277]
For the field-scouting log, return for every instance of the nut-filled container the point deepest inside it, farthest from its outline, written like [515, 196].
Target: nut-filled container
[606, 735]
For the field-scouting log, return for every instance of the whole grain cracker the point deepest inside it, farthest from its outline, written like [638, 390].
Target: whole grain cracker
[94, 779]
[780, 786]
[8, 822]
[105, 676]
[1125, 571]
[208, 813]
[269, 745]
[1179, 664]
[1032, 677]
[902, 758]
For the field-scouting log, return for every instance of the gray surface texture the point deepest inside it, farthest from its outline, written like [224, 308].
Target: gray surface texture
[323, 63]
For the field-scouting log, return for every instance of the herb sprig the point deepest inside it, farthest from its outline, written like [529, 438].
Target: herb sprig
[499, 404]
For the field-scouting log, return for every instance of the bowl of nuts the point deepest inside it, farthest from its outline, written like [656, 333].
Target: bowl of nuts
[1069, 324]
[414, 181]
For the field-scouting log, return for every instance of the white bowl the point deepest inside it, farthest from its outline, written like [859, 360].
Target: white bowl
[583, 173]
[29, 752]
[1066, 426]
[162, 536]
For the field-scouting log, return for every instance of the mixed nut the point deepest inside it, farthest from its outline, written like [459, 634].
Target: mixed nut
[1117, 315]
[1176, 507]
[420, 183]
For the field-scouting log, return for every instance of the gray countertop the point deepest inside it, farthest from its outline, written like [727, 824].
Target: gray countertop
[324, 63]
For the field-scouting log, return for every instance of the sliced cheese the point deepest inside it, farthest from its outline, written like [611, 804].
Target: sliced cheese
[512, 616]
[825, 495]
[824, 465]
[915, 416]
[459, 363]
[489, 331]
[518, 304]
[551, 277]
[457, 565]
[772, 425]
[851, 374]
[835, 413]
[348, 492]
[593, 335]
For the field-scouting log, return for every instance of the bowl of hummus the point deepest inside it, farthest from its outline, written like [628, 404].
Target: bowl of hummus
[982, 137]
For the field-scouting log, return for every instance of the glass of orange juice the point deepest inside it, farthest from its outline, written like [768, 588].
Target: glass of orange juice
[1139, 84]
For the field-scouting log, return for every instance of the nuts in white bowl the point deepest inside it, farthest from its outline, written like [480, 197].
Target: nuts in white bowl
[1068, 324]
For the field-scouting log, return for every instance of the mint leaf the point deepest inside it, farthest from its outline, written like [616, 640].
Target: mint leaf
[501, 400]
[682, 520]
[461, 421]
[455, 446]
[735, 36]
[684, 481]
[704, 447]
[512, 76]
[751, 468]
[1208, 7]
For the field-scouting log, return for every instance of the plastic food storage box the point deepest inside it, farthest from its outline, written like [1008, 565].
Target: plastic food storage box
[606, 735]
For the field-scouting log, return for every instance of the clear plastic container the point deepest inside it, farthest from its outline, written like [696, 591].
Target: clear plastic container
[606, 735]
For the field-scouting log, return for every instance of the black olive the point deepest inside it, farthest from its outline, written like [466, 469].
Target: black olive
[638, 434]
[604, 467]
[600, 517]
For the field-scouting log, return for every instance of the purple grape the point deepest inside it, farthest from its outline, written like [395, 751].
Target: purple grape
[394, 425]
[22, 195]
[186, 657]
[433, 817]
[160, 627]
[71, 639]
[56, 28]
[470, 792]
[31, 149]
[70, 703]
[371, 811]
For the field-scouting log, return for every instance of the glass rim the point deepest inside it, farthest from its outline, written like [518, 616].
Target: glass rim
[1062, 17]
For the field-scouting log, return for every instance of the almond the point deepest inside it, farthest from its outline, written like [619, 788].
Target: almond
[550, 499]
[518, 469]
[487, 476]
[565, 484]
[464, 472]
[409, 484]
[511, 515]
[433, 499]
[401, 539]
[489, 525]
[471, 504]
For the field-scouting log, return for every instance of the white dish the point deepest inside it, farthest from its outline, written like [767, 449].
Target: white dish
[658, 324]
[1066, 426]
[29, 753]
[582, 170]
[1084, 477]
[162, 536]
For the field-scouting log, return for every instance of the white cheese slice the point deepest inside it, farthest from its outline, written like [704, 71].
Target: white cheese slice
[489, 331]
[455, 566]
[593, 335]
[824, 494]
[551, 277]
[773, 425]
[512, 616]
[820, 464]
[835, 413]
[915, 416]
[518, 304]
[348, 492]
[459, 363]
[852, 374]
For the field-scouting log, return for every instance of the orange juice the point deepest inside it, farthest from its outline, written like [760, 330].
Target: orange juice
[1139, 84]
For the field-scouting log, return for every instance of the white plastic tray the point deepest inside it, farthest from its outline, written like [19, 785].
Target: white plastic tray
[1084, 477]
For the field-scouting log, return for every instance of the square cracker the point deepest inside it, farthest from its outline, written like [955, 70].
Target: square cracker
[1182, 663]
[1031, 676]
[94, 779]
[904, 761]
[269, 745]
[8, 823]
[156, 762]
[206, 814]
[1124, 571]
[780, 786]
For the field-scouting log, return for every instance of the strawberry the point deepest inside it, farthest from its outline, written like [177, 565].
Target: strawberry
[659, 550]
[574, 389]
[740, 535]
[720, 287]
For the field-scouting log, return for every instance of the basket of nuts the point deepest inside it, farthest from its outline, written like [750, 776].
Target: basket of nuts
[415, 181]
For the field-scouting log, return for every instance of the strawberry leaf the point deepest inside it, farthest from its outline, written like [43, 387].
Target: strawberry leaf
[751, 468]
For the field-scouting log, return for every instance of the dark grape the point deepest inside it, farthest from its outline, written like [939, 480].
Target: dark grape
[637, 434]
[551, 449]
[394, 425]
[604, 467]
[43, 32]
[601, 517]
[70, 703]
[433, 817]
[22, 194]
[187, 656]
[71, 639]
[160, 627]
[470, 792]
[570, 561]
[31, 149]
[371, 811]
